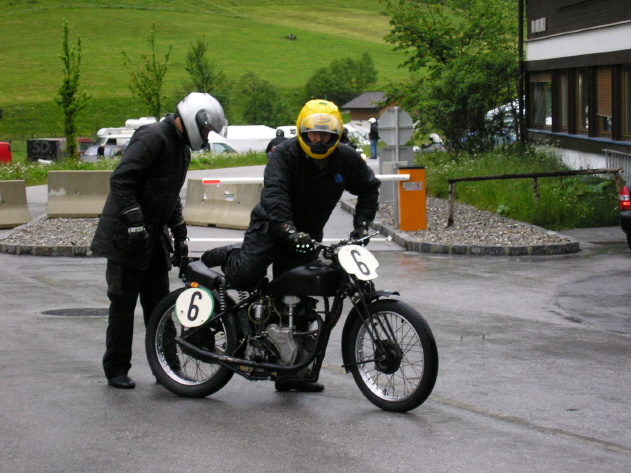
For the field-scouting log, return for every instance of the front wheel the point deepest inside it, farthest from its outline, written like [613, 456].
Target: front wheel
[394, 361]
[174, 367]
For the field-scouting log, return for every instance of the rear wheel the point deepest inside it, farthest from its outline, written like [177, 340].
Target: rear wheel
[397, 372]
[174, 367]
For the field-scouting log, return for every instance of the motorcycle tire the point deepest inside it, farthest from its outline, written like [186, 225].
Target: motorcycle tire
[399, 375]
[180, 372]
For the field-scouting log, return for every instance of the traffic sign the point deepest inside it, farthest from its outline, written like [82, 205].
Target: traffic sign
[396, 127]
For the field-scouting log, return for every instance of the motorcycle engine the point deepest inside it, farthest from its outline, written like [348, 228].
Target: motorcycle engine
[275, 342]
[283, 338]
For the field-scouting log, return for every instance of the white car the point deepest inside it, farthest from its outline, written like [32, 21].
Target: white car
[91, 154]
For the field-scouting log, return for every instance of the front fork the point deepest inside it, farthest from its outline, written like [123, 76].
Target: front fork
[361, 299]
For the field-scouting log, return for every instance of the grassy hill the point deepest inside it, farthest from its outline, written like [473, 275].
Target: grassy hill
[245, 35]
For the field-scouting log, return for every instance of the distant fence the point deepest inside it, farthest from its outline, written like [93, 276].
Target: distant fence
[532, 175]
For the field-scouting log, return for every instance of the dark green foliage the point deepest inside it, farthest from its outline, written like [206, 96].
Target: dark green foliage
[342, 80]
[72, 98]
[147, 78]
[262, 103]
[205, 76]
[463, 56]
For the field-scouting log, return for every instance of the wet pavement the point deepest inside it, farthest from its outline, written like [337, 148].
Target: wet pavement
[534, 376]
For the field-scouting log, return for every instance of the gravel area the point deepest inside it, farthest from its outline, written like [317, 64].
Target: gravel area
[471, 227]
[54, 232]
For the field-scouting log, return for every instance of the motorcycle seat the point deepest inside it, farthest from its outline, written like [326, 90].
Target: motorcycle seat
[200, 273]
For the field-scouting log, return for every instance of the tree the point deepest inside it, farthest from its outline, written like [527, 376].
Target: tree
[205, 76]
[342, 80]
[72, 98]
[463, 58]
[147, 79]
[263, 104]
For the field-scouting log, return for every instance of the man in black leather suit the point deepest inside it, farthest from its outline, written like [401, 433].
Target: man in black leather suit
[141, 208]
[303, 181]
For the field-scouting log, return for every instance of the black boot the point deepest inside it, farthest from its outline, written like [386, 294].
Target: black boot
[216, 256]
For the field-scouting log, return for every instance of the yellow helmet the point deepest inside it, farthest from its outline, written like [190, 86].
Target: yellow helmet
[319, 116]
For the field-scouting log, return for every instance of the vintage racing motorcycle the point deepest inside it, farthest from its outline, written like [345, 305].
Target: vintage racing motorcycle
[201, 335]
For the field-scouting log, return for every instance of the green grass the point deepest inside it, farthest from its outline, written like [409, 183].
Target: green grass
[564, 202]
[244, 35]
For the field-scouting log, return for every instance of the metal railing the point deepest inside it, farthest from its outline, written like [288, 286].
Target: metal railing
[533, 175]
[617, 159]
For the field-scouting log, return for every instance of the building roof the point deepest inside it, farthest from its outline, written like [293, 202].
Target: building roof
[367, 100]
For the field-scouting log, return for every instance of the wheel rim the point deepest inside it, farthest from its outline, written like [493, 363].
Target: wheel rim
[408, 359]
[179, 365]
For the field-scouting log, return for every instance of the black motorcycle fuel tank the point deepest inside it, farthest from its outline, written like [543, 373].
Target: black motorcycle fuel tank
[314, 279]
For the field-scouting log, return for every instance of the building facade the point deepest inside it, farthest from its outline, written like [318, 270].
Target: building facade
[577, 69]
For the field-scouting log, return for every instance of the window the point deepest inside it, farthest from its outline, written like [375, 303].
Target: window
[604, 109]
[564, 100]
[541, 93]
[582, 92]
[626, 103]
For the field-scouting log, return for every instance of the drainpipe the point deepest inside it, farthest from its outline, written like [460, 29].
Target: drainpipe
[521, 132]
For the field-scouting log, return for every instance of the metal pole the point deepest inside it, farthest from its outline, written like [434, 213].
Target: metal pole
[396, 134]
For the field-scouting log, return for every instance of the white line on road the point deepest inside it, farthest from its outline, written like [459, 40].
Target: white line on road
[241, 239]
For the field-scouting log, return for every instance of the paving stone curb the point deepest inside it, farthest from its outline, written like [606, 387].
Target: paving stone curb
[41, 250]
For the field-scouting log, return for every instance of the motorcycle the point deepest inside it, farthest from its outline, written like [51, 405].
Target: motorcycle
[202, 334]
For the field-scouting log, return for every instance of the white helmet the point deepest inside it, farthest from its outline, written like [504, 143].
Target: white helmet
[435, 138]
[198, 110]
[372, 120]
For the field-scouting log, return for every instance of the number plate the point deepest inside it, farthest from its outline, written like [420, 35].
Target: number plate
[194, 306]
[359, 261]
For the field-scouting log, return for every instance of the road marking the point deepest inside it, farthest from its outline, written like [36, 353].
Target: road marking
[613, 447]
[241, 239]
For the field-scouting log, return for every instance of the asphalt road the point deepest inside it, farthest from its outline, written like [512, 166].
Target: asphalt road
[534, 376]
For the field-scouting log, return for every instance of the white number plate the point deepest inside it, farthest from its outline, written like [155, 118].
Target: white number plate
[194, 306]
[359, 261]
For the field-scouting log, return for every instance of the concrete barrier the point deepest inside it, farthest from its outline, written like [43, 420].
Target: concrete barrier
[13, 208]
[223, 205]
[77, 194]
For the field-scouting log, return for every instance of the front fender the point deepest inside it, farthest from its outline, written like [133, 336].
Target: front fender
[350, 321]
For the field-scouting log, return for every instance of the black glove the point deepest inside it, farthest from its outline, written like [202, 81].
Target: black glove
[137, 240]
[300, 242]
[180, 250]
[358, 233]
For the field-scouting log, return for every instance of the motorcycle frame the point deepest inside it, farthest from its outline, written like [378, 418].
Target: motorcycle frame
[351, 288]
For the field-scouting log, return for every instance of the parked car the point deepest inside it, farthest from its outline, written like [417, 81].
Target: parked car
[218, 147]
[625, 210]
[91, 154]
[83, 144]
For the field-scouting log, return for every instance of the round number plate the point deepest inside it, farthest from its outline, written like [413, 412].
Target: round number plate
[359, 261]
[194, 306]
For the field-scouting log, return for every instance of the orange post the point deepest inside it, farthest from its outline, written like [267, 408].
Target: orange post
[412, 199]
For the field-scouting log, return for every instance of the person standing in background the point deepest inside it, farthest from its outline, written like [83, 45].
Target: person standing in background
[373, 136]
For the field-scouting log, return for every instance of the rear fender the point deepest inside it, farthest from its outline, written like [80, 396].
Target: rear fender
[350, 320]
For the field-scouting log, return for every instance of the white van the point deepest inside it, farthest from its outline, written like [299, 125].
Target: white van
[122, 135]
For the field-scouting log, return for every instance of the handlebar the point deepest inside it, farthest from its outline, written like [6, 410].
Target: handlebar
[329, 250]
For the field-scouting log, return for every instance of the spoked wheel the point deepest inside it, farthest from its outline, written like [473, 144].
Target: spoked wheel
[178, 370]
[397, 369]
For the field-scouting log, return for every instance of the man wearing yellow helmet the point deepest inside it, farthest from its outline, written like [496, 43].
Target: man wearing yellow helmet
[303, 181]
